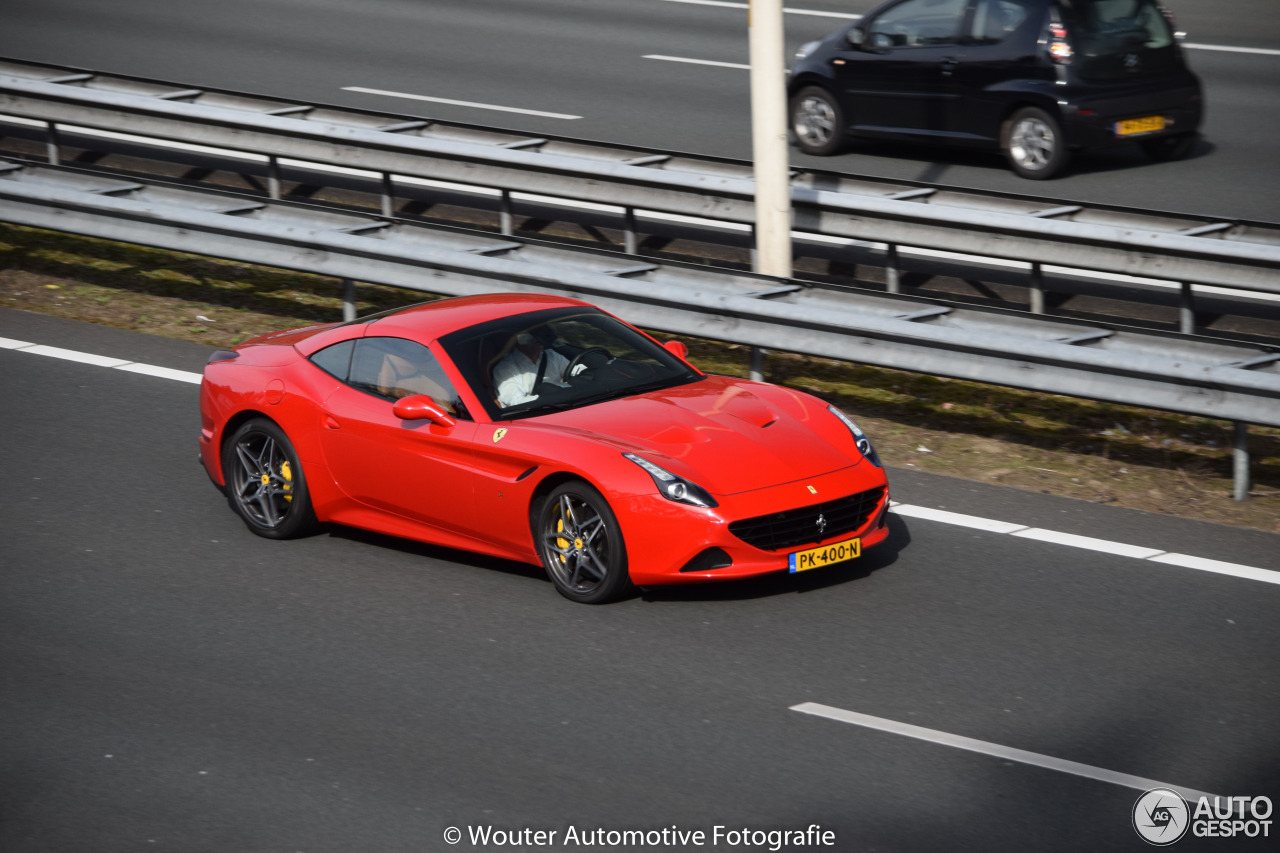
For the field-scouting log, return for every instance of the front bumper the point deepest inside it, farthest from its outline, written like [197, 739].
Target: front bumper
[663, 537]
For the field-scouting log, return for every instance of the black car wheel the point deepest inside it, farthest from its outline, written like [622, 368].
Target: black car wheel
[817, 122]
[265, 485]
[1034, 145]
[1163, 148]
[581, 545]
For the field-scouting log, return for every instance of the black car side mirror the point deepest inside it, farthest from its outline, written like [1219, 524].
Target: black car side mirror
[855, 36]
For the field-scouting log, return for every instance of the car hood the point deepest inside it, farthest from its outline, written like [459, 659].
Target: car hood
[727, 435]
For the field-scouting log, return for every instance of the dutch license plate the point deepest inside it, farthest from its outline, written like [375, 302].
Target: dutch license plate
[816, 558]
[1146, 124]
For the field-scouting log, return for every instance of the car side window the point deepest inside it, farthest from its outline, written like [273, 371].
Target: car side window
[995, 20]
[335, 360]
[917, 23]
[395, 368]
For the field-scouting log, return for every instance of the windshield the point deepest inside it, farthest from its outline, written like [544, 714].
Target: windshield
[558, 359]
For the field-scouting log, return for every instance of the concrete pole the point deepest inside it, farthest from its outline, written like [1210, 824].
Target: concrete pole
[769, 139]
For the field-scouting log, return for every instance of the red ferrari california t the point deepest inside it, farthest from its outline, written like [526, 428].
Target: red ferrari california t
[540, 429]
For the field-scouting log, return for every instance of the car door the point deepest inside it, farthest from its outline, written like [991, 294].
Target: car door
[417, 469]
[896, 80]
[998, 61]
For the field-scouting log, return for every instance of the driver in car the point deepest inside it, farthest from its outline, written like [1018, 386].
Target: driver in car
[529, 364]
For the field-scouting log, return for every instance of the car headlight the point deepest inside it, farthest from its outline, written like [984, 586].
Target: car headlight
[671, 487]
[806, 49]
[859, 437]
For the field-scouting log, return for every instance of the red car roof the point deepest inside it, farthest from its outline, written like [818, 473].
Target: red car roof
[433, 319]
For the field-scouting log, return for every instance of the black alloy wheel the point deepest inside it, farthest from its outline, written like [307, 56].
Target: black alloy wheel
[818, 122]
[265, 485]
[581, 545]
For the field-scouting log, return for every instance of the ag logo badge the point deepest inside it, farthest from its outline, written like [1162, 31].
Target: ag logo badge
[1160, 817]
[499, 434]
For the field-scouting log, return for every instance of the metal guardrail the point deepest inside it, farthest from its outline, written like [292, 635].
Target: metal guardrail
[1180, 249]
[1220, 380]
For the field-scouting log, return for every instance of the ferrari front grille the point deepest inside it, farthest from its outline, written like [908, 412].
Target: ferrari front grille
[809, 524]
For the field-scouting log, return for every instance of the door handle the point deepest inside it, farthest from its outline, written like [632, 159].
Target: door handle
[949, 65]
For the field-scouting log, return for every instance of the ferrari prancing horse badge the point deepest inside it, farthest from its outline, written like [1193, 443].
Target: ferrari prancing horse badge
[498, 434]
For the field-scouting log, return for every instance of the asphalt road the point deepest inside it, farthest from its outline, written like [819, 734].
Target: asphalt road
[170, 682]
[588, 58]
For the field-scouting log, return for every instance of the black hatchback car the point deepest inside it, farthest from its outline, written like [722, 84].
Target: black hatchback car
[1034, 78]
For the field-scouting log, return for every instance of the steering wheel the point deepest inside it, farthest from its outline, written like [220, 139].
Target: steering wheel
[580, 358]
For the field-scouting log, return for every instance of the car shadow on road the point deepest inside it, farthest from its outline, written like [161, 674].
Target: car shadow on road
[438, 553]
[936, 161]
[782, 583]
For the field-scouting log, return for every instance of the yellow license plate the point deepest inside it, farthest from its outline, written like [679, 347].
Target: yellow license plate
[1146, 124]
[816, 558]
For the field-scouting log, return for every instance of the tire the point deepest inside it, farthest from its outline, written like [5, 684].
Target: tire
[818, 122]
[265, 483]
[1034, 144]
[1164, 148]
[590, 565]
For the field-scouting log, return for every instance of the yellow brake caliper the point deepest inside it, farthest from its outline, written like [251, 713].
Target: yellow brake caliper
[286, 474]
[561, 542]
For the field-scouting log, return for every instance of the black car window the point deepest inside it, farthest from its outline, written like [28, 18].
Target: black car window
[1102, 25]
[395, 368]
[335, 360]
[917, 23]
[995, 20]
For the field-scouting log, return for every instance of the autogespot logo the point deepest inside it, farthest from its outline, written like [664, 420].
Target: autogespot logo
[1160, 816]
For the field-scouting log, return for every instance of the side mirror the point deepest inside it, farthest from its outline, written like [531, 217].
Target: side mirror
[677, 349]
[420, 407]
[856, 36]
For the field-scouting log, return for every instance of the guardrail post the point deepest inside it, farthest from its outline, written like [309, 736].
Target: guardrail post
[1187, 310]
[273, 176]
[893, 282]
[506, 221]
[1037, 289]
[388, 195]
[757, 364]
[631, 246]
[348, 300]
[1241, 461]
[52, 143]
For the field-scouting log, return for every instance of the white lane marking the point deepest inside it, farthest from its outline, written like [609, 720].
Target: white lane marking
[1088, 543]
[697, 61]
[988, 524]
[162, 372]
[501, 109]
[101, 361]
[1009, 753]
[73, 355]
[723, 4]
[1218, 567]
[1072, 540]
[1261, 51]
